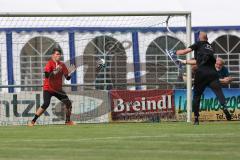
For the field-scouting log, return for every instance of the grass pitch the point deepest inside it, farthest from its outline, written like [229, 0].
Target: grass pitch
[125, 141]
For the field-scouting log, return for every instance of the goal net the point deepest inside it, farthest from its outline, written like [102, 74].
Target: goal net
[112, 51]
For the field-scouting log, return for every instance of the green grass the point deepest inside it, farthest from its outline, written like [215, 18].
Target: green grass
[127, 141]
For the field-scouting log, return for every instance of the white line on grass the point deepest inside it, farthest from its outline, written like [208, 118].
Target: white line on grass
[125, 137]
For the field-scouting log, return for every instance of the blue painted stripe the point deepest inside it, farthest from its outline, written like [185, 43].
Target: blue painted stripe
[215, 28]
[118, 29]
[10, 61]
[136, 59]
[72, 57]
[93, 29]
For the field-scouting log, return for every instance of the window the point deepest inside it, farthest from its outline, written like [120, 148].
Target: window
[228, 48]
[112, 51]
[159, 68]
[34, 56]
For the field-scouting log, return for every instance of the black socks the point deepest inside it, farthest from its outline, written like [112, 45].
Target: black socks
[35, 118]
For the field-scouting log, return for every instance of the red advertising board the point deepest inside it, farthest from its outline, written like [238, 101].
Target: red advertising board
[142, 105]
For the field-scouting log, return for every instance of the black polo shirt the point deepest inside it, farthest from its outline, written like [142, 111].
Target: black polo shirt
[204, 54]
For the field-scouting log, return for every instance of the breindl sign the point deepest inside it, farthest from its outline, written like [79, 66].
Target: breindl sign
[127, 105]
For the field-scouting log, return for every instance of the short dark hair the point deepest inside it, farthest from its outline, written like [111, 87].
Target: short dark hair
[56, 50]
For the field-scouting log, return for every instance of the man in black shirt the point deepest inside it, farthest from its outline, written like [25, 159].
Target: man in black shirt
[205, 75]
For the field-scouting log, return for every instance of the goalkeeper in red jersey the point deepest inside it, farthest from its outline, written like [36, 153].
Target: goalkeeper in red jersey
[54, 72]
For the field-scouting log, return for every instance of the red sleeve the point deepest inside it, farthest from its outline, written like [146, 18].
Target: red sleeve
[48, 67]
[64, 69]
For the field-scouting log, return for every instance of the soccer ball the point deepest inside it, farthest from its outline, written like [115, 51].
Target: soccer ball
[100, 63]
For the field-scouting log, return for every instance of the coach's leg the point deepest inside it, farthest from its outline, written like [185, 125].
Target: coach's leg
[216, 87]
[199, 85]
[197, 93]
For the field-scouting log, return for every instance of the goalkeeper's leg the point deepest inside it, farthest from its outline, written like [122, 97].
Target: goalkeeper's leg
[46, 98]
[68, 112]
[64, 98]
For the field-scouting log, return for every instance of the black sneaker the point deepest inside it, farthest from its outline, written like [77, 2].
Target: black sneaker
[227, 114]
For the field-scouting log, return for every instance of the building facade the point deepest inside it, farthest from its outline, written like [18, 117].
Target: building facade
[131, 56]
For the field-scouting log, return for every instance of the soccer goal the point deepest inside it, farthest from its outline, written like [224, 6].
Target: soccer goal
[112, 51]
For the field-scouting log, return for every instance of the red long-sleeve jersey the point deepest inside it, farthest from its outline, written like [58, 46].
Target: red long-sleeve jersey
[53, 82]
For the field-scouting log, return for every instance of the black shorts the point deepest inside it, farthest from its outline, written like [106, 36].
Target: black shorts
[205, 75]
[61, 95]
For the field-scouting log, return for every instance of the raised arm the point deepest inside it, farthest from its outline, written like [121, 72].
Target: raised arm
[183, 51]
[67, 71]
[190, 61]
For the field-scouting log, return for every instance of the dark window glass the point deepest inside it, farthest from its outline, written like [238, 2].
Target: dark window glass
[159, 68]
[34, 56]
[228, 48]
[114, 73]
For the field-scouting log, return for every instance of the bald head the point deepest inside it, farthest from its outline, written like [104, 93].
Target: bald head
[203, 36]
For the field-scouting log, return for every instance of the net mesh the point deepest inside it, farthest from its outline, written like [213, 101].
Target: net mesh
[132, 48]
[95, 21]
